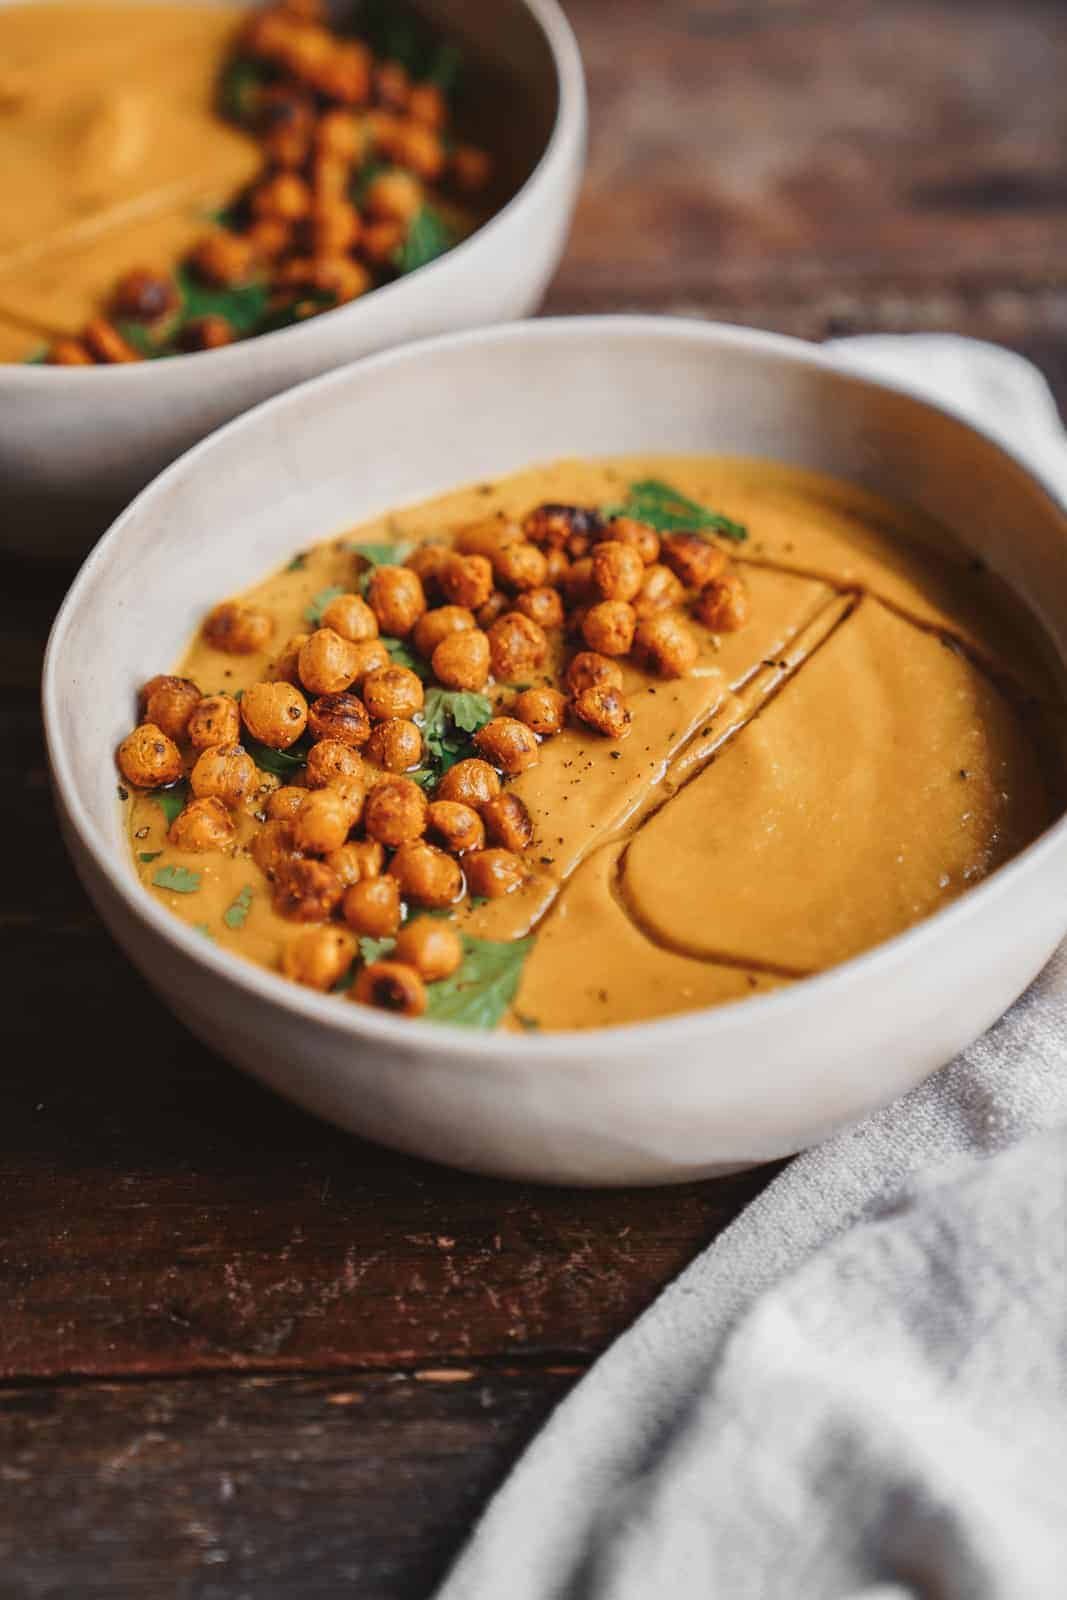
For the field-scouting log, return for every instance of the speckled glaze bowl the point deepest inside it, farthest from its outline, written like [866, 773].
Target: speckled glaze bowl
[76, 443]
[653, 1103]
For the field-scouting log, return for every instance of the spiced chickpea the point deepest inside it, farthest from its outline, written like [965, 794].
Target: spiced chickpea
[274, 713]
[618, 570]
[237, 629]
[394, 197]
[638, 535]
[436, 625]
[507, 822]
[222, 259]
[693, 560]
[489, 536]
[431, 946]
[556, 525]
[557, 566]
[225, 771]
[395, 745]
[216, 719]
[284, 803]
[330, 759]
[589, 669]
[273, 843]
[390, 986]
[542, 709]
[508, 744]
[427, 876]
[493, 873]
[470, 783]
[578, 585]
[426, 561]
[395, 812]
[421, 151]
[462, 660]
[608, 627]
[205, 333]
[270, 238]
[319, 957]
[371, 906]
[286, 669]
[352, 793]
[202, 825]
[457, 826]
[351, 617]
[520, 566]
[517, 646]
[148, 759]
[427, 105]
[397, 599]
[379, 241]
[305, 891]
[356, 860]
[286, 196]
[392, 692]
[392, 84]
[169, 702]
[322, 822]
[333, 228]
[660, 590]
[543, 606]
[368, 656]
[338, 134]
[339, 277]
[326, 662]
[340, 716]
[664, 643]
[724, 605]
[496, 605]
[604, 708]
[466, 580]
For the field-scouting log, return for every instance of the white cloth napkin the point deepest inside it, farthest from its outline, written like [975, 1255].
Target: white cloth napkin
[859, 1391]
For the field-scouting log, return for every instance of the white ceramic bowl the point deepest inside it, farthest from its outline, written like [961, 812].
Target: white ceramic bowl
[658, 1102]
[76, 443]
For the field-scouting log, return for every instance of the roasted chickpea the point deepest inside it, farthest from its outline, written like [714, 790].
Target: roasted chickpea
[351, 617]
[469, 783]
[604, 708]
[285, 196]
[202, 825]
[618, 570]
[395, 812]
[462, 660]
[520, 566]
[380, 241]
[517, 646]
[608, 627]
[395, 745]
[393, 692]
[285, 125]
[270, 238]
[319, 957]
[665, 644]
[493, 873]
[237, 629]
[427, 104]
[148, 759]
[329, 760]
[724, 606]
[225, 771]
[205, 333]
[356, 860]
[496, 605]
[421, 151]
[458, 827]
[274, 843]
[368, 657]
[340, 716]
[557, 566]
[274, 713]
[333, 228]
[638, 535]
[392, 85]
[555, 525]
[466, 580]
[169, 703]
[284, 803]
[390, 986]
[507, 822]
[431, 946]
[589, 670]
[394, 196]
[397, 599]
[352, 792]
[286, 669]
[426, 562]
[372, 906]
[223, 259]
[326, 662]
[427, 876]
[345, 74]
[336, 276]
[488, 536]
[305, 891]
[508, 744]
[437, 625]
[144, 296]
[68, 353]
[322, 822]
[471, 167]
[216, 719]
[338, 134]
[660, 590]
[542, 710]
[694, 561]
[543, 606]
[578, 585]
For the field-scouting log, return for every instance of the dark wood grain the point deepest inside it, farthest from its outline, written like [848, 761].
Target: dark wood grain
[247, 1354]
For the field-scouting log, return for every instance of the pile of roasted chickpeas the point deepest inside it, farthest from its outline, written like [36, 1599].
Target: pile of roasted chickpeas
[358, 839]
[328, 107]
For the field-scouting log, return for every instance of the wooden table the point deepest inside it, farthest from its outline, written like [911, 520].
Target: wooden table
[242, 1354]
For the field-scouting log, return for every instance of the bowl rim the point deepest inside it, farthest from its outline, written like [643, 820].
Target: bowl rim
[567, 133]
[454, 1040]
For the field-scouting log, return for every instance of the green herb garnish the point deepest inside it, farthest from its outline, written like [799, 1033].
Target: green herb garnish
[669, 511]
[375, 949]
[318, 603]
[235, 915]
[282, 763]
[243, 305]
[448, 720]
[178, 879]
[480, 991]
[298, 563]
[428, 237]
[149, 855]
[405, 657]
[240, 87]
[379, 555]
[172, 801]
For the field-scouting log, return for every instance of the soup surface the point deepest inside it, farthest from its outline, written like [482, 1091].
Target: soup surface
[871, 731]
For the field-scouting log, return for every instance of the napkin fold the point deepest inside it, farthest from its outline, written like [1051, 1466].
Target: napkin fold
[859, 1391]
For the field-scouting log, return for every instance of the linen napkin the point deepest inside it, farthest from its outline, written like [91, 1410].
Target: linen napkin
[859, 1391]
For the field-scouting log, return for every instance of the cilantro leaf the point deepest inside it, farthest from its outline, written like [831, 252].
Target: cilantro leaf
[481, 989]
[400, 653]
[379, 555]
[375, 949]
[669, 511]
[448, 719]
[243, 305]
[318, 603]
[236, 914]
[428, 237]
[282, 763]
[178, 879]
[171, 801]
[149, 855]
